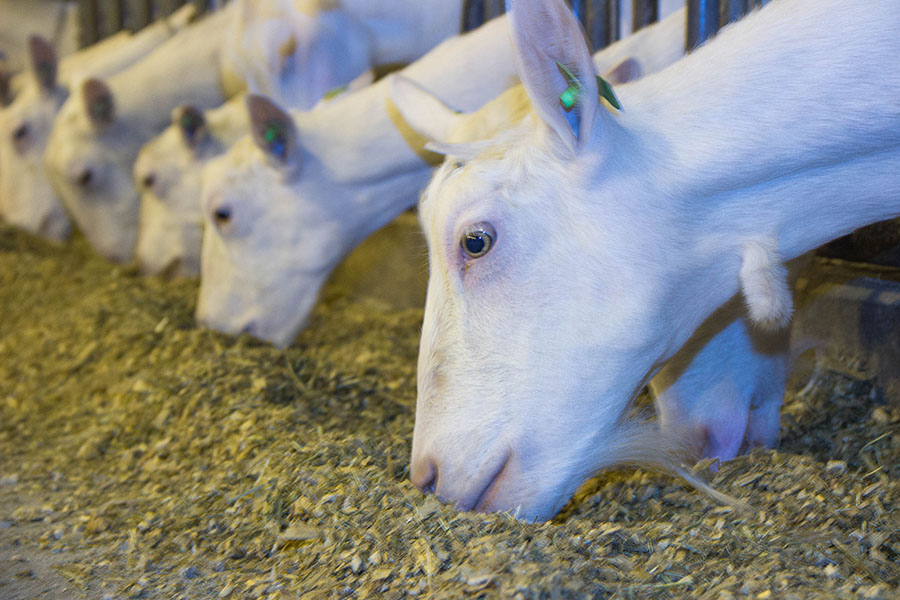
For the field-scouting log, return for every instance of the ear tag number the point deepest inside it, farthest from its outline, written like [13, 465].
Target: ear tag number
[569, 98]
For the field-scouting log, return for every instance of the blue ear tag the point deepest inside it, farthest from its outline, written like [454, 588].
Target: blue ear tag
[276, 139]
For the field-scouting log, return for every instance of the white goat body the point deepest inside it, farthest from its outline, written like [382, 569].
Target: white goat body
[638, 223]
[26, 198]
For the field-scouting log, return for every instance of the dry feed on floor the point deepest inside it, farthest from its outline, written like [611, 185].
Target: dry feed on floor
[143, 457]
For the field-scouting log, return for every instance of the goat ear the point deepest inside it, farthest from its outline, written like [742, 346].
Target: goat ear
[550, 46]
[43, 62]
[98, 102]
[192, 124]
[629, 69]
[363, 80]
[428, 116]
[273, 131]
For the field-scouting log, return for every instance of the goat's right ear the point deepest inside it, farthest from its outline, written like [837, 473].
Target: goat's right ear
[192, 124]
[274, 132]
[43, 63]
[555, 66]
[426, 114]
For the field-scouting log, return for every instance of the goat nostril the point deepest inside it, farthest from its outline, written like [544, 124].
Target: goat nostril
[85, 177]
[427, 481]
[149, 180]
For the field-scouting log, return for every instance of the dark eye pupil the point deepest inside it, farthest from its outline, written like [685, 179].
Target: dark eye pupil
[85, 177]
[20, 132]
[475, 242]
[222, 215]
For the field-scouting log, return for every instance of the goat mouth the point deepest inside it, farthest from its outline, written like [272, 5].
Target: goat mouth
[483, 500]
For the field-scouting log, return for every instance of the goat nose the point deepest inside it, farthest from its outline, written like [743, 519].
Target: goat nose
[424, 474]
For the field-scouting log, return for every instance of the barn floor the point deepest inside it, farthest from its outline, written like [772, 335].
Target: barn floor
[142, 457]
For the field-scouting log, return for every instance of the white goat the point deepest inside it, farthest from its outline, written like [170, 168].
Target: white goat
[277, 228]
[168, 175]
[26, 198]
[572, 256]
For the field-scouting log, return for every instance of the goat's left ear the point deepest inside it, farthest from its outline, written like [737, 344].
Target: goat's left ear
[555, 65]
[274, 132]
[426, 114]
[43, 63]
[98, 102]
[190, 121]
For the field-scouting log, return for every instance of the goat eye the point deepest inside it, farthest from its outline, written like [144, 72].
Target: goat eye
[222, 215]
[477, 240]
[20, 133]
[85, 177]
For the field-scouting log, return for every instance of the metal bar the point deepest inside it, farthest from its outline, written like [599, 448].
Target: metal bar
[473, 13]
[702, 22]
[493, 8]
[167, 7]
[87, 16]
[139, 13]
[732, 10]
[110, 18]
[602, 24]
[643, 13]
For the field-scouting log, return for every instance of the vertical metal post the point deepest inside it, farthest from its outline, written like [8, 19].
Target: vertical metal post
[138, 14]
[167, 7]
[87, 17]
[602, 23]
[110, 18]
[473, 12]
[732, 10]
[643, 13]
[493, 8]
[702, 22]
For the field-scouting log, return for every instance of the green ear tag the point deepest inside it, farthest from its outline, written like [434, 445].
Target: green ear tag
[569, 98]
[606, 91]
[275, 137]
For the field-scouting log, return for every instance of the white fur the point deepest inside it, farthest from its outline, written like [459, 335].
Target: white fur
[609, 256]
[26, 198]
[764, 284]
